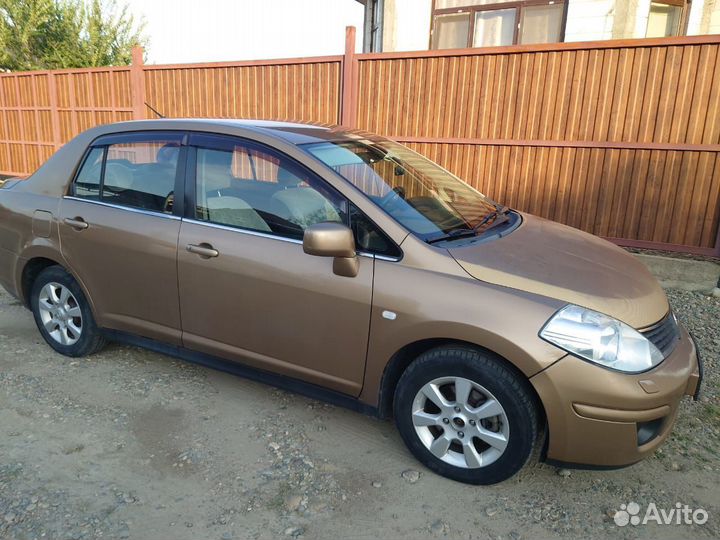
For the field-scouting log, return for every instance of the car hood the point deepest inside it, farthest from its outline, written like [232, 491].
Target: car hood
[550, 259]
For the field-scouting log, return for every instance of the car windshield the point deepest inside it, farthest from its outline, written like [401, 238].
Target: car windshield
[428, 200]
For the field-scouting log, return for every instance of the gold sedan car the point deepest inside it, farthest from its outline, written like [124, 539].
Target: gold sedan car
[344, 266]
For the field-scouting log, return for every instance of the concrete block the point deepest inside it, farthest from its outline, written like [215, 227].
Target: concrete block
[687, 274]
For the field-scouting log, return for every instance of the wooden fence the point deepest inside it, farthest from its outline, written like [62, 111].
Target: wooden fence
[619, 138]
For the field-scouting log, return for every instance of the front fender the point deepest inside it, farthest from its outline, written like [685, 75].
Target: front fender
[437, 306]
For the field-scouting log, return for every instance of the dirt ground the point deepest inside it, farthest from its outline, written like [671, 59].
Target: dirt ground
[132, 444]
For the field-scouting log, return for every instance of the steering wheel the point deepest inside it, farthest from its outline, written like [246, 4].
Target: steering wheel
[167, 206]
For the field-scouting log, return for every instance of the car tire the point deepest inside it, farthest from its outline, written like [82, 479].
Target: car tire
[63, 315]
[460, 437]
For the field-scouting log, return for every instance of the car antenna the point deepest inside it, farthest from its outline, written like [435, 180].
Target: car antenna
[154, 110]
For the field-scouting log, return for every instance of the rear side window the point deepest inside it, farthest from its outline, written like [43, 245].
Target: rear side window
[136, 171]
[87, 183]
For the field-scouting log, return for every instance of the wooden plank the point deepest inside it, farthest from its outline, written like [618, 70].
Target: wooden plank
[546, 47]
[686, 185]
[711, 133]
[137, 84]
[669, 84]
[700, 102]
[6, 129]
[562, 143]
[349, 90]
[684, 94]
[21, 128]
[711, 217]
[698, 207]
[664, 221]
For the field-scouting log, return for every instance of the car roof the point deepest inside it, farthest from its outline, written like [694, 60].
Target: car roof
[292, 132]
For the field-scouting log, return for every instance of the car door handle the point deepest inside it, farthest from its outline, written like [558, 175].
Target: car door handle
[77, 223]
[204, 250]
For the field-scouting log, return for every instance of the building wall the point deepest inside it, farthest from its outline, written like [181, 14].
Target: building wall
[711, 21]
[406, 25]
[698, 17]
[589, 20]
[407, 22]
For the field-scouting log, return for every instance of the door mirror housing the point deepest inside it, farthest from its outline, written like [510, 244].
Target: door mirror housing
[335, 240]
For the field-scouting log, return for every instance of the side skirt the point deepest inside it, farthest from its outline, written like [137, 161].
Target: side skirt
[283, 382]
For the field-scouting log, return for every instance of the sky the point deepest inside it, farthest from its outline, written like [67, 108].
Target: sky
[185, 31]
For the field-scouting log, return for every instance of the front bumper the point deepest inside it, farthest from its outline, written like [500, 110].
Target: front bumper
[603, 418]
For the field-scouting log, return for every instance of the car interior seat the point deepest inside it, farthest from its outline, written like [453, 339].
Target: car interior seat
[302, 205]
[215, 177]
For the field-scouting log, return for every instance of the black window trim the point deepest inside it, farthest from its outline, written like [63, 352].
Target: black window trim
[128, 137]
[191, 182]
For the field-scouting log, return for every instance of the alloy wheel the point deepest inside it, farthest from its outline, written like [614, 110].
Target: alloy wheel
[60, 313]
[460, 422]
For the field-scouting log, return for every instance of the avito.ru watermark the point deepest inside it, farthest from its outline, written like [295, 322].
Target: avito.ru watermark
[681, 514]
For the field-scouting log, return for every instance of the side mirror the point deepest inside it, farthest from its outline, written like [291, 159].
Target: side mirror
[333, 240]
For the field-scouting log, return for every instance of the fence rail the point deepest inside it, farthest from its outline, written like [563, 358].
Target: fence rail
[619, 138]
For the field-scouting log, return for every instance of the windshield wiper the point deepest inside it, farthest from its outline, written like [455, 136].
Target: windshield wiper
[453, 235]
[493, 216]
[464, 232]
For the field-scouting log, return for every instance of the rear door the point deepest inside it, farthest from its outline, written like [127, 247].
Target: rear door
[119, 229]
[248, 292]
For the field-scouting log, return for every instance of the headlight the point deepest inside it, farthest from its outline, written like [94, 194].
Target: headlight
[601, 339]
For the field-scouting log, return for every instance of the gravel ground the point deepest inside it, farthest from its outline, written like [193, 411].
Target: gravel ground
[132, 444]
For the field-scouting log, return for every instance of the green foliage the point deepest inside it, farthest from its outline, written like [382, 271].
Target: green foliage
[55, 34]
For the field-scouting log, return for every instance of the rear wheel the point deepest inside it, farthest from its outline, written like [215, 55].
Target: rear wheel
[466, 415]
[63, 315]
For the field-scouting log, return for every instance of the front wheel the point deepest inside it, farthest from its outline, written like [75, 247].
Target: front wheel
[466, 415]
[63, 314]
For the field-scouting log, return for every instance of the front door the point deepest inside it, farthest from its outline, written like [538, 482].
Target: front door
[248, 292]
[119, 234]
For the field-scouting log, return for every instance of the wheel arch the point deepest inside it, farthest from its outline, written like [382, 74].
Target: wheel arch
[407, 354]
[29, 273]
[35, 264]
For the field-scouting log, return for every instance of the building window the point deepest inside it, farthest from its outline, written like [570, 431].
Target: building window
[491, 23]
[666, 18]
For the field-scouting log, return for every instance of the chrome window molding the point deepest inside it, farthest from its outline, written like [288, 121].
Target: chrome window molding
[275, 237]
[242, 231]
[385, 258]
[121, 207]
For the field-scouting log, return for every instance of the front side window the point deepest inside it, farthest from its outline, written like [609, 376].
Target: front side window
[242, 185]
[138, 172]
[425, 198]
[493, 23]
[368, 236]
